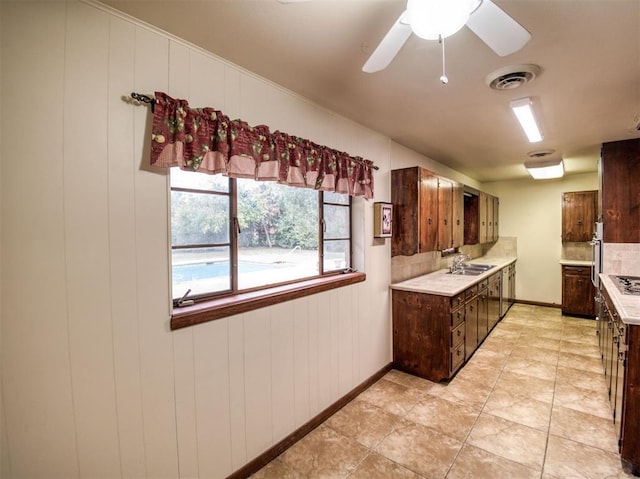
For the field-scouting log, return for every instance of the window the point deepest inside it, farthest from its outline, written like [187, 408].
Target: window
[233, 235]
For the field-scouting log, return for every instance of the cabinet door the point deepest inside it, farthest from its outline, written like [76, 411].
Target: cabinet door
[405, 187]
[428, 212]
[482, 230]
[493, 291]
[490, 232]
[471, 219]
[496, 214]
[458, 215]
[620, 163]
[471, 334]
[578, 215]
[414, 194]
[445, 213]
[577, 291]
[483, 315]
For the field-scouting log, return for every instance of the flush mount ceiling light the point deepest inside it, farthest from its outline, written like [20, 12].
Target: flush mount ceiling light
[434, 19]
[524, 113]
[545, 170]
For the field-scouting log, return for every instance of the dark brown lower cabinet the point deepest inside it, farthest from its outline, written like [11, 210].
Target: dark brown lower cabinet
[578, 293]
[434, 335]
[620, 352]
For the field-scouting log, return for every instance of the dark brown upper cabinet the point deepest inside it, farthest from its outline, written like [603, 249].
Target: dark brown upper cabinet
[414, 194]
[620, 191]
[428, 212]
[578, 215]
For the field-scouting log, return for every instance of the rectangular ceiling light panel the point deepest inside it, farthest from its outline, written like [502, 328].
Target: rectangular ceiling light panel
[545, 170]
[524, 113]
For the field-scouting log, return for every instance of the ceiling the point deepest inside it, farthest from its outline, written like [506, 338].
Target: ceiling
[587, 93]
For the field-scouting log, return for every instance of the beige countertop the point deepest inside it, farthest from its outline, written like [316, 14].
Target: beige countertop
[444, 284]
[575, 262]
[628, 306]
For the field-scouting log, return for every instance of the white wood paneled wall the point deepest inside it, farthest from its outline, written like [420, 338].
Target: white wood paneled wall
[93, 382]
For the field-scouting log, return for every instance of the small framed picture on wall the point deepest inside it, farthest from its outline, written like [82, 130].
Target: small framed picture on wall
[382, 220]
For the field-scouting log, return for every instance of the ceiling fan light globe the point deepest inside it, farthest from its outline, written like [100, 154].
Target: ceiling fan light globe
[432, 19]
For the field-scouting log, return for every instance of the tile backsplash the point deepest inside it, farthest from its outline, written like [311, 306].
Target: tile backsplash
[576, 251]
[406, 267]
[621, 258]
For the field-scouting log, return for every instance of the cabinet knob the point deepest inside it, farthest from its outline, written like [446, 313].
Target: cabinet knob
[445, 221]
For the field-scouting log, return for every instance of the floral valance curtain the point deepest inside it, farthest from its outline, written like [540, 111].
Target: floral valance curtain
[206, 140]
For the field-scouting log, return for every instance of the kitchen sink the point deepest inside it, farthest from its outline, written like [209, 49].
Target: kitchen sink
[466, 272]
[482, 267]
[472, 269]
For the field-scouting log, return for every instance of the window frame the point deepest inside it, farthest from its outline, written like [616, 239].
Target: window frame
[216, 305]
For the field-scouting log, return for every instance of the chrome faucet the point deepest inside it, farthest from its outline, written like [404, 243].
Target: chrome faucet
[458, 260]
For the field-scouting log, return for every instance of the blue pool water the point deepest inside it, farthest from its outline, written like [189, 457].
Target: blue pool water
[190, 272]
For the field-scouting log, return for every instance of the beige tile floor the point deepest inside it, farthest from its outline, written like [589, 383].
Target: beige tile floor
[531, 403]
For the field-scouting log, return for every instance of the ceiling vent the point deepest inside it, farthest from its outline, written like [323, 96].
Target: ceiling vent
[512, 77]
[540, 153]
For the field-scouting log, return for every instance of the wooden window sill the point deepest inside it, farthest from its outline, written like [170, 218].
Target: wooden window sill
[241, 303]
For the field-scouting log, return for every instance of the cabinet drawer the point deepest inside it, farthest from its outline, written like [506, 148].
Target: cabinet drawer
[483, 284]
[471, 292]
[457, 357]
[577, 270]
[457, 317]
[457, 334]
[458, 300]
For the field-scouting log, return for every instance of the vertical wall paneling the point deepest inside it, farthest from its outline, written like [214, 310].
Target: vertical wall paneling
[122, 247]
[257, 376]
[212, 397]
[342, 310]
[185, 394]
[36, 378]
[232, 82]
[87, 240]
[5, 459]
[5, 467]
[301, 359]
[314, 353]
[237, 393]
[206, 81]
[183, 349]
[325, 370]
[179, 74]
[334, 347]
[93, 382]
[282, 370]
[156, 341]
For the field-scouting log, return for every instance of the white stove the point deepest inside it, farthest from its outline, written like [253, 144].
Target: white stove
[627, 284]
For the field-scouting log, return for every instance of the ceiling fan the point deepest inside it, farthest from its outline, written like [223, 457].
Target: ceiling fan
[438, 19]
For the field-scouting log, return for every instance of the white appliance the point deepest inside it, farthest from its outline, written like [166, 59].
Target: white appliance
[596, 258]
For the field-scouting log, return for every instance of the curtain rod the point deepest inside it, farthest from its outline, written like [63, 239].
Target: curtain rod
[144, 99]
[147, 99]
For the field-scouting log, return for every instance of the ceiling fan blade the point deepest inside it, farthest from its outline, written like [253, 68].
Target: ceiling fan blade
[389, 47]
[497, 29]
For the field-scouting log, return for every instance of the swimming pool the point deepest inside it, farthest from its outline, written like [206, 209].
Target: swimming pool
[185, 273]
